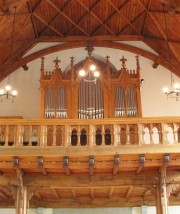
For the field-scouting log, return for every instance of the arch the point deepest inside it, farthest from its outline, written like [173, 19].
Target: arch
[123, 137]
[26, 135]
[2, 135]
[49, 135]
[69, 45]
[98, 137]
[58, 136]
[83, 138]
[107, 136]
[134, 138]
[74, 137]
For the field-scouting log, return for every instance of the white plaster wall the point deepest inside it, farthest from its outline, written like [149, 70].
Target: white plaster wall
[27, 104]
[93, 211]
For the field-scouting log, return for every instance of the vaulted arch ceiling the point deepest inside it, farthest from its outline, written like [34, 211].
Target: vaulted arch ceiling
[77, 22]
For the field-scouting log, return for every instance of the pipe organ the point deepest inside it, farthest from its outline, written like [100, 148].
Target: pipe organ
[115, 93]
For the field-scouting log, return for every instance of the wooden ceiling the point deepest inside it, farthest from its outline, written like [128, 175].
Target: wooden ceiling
[76, 22]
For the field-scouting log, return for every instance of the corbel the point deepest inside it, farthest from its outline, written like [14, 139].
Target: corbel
[66, 165]
[91, 165]
[116, 164]
[141, 163]
[166, 159]
[41, 165]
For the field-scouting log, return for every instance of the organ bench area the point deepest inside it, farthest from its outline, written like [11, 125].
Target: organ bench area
[115, 93]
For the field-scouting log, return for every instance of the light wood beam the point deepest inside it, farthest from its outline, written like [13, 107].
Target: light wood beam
[73, 194]
[3, 195]
[110, 192]
[55, 193]
[102, 179]
[92, 193]
[129, 191]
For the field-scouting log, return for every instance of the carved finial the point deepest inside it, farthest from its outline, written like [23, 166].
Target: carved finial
[42, 63]
[107, 59]
[42, 66]
[56, 61]
[123, 60]
[137, 62]
[155, 65]
[89, 49]
[72, 61]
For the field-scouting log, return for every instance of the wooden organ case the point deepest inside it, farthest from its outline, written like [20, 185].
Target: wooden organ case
[115, 93]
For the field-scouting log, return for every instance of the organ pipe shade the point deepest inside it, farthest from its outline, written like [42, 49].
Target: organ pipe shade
[90, 100]
[120, 110]
[55, 103]
[131, 102]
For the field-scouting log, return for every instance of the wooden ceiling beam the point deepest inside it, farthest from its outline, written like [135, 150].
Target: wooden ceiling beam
[159, 27]
[110, 17]
[67, 17]
[94, 16]
[56, 16]
[125, 27]
[32, 19]
[21, 61]
[146, 18]
[82, 17]
[47, 25]
[4, 7]
[121, 15]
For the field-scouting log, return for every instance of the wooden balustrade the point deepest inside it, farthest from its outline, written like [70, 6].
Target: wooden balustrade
[102, 132]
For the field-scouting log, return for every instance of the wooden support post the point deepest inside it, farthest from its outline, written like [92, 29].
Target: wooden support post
[162, 200]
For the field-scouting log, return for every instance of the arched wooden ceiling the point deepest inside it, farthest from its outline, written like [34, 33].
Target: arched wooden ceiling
[76, 22]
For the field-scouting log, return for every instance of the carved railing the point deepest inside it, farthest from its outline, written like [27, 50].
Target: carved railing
[104, 132]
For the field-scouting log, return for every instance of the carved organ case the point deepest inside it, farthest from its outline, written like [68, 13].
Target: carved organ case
[113, 93]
